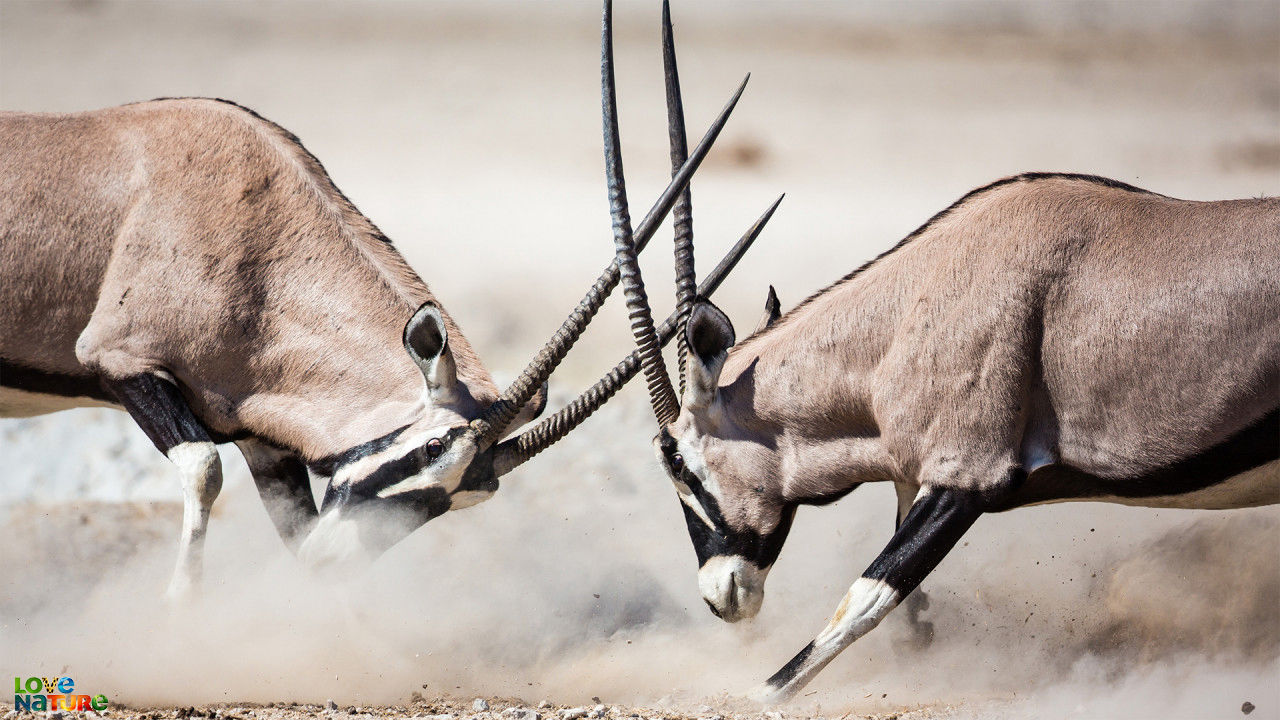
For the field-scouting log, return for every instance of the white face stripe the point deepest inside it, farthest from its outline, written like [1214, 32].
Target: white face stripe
[406, 443]
[467, 498]
[367, 464]
[430, 476]
[697, 464]
[687, 497]
[682, 489]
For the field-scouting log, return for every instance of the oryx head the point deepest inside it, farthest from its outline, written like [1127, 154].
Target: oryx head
[451, 457]
[381, 490]
[724, 471]
[736, 531]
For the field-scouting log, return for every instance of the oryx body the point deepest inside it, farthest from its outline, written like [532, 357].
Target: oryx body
[1049, 337]
[190, 262]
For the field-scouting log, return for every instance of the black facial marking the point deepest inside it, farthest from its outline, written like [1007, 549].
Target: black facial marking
[328, 464]
[479, 475]
[763, 550]
[393, 471]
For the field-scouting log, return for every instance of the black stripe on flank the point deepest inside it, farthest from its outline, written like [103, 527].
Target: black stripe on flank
[1024, 177]
[21, 377]
[791, 669]
[1250, 448]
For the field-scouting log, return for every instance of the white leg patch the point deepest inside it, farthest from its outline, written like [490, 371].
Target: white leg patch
[863, 607]
[201, 471]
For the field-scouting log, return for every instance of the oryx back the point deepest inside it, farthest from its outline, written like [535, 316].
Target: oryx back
[194, 237]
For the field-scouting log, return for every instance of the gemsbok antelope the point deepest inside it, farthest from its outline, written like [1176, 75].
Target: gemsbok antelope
[1048, 337]
[190, 262]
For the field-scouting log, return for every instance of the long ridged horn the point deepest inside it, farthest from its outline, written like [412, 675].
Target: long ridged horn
[661, 394]
[495, 419]
[682, 215]
[512, 453]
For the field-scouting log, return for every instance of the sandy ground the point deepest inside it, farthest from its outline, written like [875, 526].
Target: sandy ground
[451, 708]
[469, 133]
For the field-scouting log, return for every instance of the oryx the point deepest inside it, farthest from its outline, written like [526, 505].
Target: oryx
[1048, 337]
[190, 262]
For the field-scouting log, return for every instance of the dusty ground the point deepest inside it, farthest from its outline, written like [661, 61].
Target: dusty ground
[469, 133]
[450, 708]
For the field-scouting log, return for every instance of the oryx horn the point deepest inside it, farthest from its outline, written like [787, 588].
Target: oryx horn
[516, 451]
[682, 215]
[495, 419]
[661, 394]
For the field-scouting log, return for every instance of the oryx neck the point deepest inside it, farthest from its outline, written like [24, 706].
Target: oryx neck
[814, 374]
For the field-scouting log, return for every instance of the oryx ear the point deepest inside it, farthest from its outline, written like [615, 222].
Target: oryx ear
[427, 341]
[772, 310]
[710, 335]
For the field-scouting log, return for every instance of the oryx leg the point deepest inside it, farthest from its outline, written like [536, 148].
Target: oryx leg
[285, 489]
[156, 404]
[917, 601]
[937, 520]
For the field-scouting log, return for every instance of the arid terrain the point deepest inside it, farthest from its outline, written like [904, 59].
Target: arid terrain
[469, 132]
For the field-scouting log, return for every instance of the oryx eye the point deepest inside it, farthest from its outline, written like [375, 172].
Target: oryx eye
[434, 448]
[677, 463]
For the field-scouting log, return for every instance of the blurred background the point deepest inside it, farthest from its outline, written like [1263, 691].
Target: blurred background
[469, 132]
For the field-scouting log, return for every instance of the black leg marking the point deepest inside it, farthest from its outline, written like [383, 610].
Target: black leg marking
[159, 409]
[285, 489]
[157, 406]
[792, 668]
[920, 631]
[934, 524]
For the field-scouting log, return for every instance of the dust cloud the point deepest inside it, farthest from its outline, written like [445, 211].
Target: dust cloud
[577, 580]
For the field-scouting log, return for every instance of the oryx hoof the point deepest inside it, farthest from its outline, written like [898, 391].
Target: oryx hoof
[182, 591]
[768, 695]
